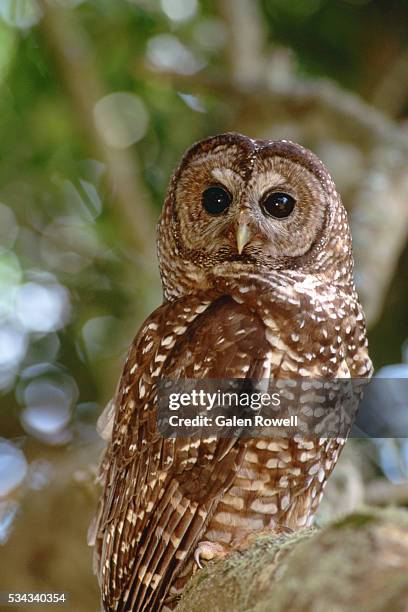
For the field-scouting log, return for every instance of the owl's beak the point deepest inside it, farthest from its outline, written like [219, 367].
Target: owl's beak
[243, 235]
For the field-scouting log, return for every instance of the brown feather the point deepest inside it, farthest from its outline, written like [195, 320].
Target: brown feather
[286, 308]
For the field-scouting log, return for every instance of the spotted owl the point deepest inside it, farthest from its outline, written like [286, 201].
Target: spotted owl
[256, 264]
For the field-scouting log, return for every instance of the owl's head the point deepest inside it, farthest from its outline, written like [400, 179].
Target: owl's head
[238, 204]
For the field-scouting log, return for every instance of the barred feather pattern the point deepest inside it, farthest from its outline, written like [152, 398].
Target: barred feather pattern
[260, 316]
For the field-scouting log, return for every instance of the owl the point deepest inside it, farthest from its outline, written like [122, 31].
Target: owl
[256, 264]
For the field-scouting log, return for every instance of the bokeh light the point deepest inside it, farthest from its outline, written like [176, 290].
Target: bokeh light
[179, 10]
[20, 14]
[13, 345]
[8, 512]
[42, 308]
[48, 396]
[193, 102]
[166, 52]
[13, 467]
[121, 118]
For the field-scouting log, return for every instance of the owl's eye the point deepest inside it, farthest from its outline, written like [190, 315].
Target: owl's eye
[278, 204]
[216, 200]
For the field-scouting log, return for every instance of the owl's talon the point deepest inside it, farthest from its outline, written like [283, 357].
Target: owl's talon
[208, 551]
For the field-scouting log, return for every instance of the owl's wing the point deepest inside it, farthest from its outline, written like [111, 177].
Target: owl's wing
[160, 493]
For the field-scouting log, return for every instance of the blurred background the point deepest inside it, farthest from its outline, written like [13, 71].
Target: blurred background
[98, 101]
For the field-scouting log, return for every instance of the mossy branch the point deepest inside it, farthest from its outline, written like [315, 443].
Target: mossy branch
[357, 563]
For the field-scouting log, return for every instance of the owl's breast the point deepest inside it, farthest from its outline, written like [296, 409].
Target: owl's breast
[279, 484]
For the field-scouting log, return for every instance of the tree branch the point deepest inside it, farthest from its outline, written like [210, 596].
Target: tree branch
[72, 55]
[246, 41]
[358, 563]
[391, 95]
[381, 492]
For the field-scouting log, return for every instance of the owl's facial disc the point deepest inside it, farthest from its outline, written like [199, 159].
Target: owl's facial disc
[249, 203]
[237, 205]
